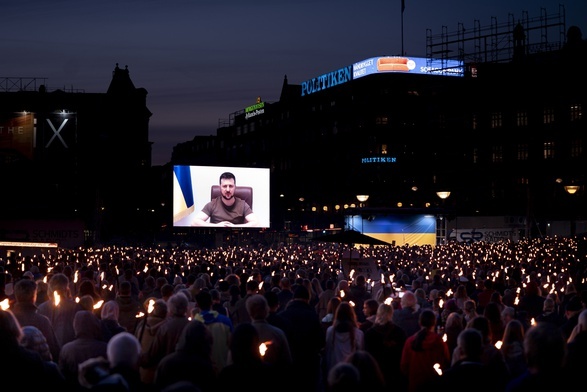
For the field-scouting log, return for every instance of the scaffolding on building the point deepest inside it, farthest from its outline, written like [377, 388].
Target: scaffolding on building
[496, 43]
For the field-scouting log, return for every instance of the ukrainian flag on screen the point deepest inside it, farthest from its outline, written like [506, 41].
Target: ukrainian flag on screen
[183, 193]
[401, 229]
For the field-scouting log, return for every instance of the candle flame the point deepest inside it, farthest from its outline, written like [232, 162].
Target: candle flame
[56, 297]
[263, 347]
[438, 369]
[4, 304]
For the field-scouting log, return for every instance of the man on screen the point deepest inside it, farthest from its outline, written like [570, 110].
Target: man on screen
[226, 210]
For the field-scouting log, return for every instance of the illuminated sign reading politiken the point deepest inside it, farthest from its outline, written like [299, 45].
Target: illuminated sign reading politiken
[396, 64]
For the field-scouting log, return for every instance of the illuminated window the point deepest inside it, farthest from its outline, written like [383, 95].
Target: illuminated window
[522, 119]
[497, 154]
[548, 117]
[522, 152]
[384, 149]
[548, 150]
[576, 112]
[496, 120]
[382, 120]
[576, 148]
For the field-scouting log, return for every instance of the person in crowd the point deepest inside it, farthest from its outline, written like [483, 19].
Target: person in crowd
[370, 375]
[129, 307]
[550, 312]
[467, 367]
[146, 331]
[305, 339]
[34, 340]
[408, 316]
[512, 348]
[461, 296]
[370, 307]
[217, 303]
[572, 310]
[246, 367]
[278, 351]
[423, 351]
[358, 294]
[25, 310]
[492, 357]
[109, 316]
[421, 297]
[219, 325]
[190, 361]
[342, 289]
[240, 314]
[343, 377]
[343, 337]
[576, 360]
[285, 293]
[492, 312]
[544, 348]
[88, 343]
[274, 318]
[531, 302]
[60, 308]
[226, 210]
[168, 333]
[328, 318]
[119, 371]
[484, 296]
[147, 288]
[88, 287]
[19, 364]
[452, 328]
[385, 342]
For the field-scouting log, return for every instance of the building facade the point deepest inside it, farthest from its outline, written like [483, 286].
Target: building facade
[507, 139]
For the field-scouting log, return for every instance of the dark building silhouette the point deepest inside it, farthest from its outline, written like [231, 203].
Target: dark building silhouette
[73, 161]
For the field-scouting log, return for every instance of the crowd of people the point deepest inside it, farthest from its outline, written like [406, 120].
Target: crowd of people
[506, 316]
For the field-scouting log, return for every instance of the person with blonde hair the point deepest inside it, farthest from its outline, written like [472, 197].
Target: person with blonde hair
[385, 341]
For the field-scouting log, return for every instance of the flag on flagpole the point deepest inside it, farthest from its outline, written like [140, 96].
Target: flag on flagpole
[403, 5]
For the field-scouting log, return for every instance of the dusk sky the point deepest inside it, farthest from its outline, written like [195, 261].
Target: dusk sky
[201, 60]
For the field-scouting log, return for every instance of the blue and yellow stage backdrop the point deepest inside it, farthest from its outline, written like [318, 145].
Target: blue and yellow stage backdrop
[397, 229]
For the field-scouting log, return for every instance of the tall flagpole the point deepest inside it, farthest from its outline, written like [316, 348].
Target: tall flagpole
[402, 25]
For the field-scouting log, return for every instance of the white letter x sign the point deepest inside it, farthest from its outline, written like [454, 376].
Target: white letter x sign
[56, 133]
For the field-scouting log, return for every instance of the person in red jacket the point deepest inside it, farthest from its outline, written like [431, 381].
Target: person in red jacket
[424, 353]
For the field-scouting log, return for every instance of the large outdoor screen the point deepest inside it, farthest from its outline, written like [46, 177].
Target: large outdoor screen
[201, 198]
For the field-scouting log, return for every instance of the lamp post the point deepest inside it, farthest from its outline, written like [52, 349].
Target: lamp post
[362, 199]
[443, 195]
[571, 190]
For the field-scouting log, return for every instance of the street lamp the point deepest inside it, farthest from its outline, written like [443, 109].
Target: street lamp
[362, 198]
[443, 195]
[571, 190]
